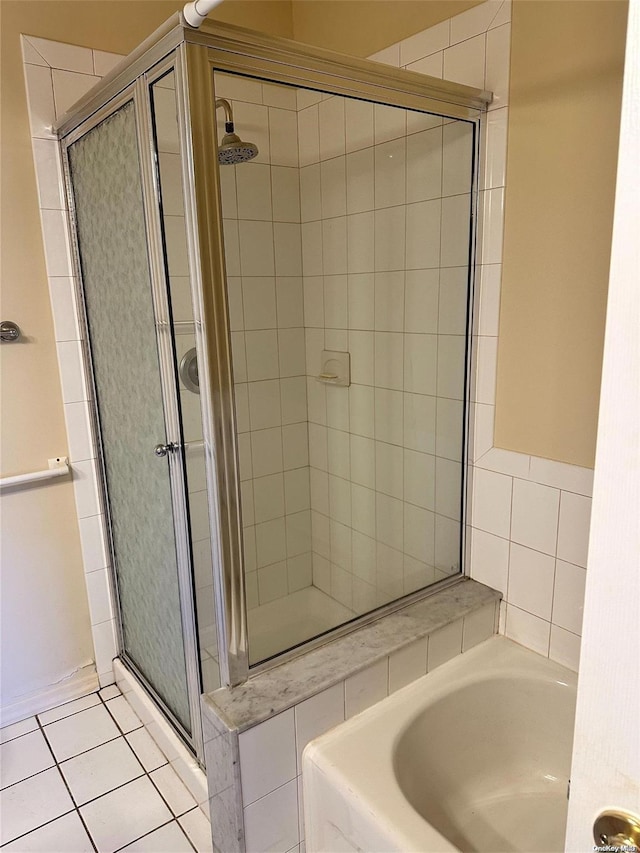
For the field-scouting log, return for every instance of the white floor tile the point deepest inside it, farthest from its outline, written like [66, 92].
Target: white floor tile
[31, 803]
[146, 749]
[23, 757]
[68, 709]
[167, 839]
[173, 790]
[100, 770]
[110, 692]
[124, 714]
[18, 729]
[64, 834]
[80, 732]
[125, 814]
[198, 829]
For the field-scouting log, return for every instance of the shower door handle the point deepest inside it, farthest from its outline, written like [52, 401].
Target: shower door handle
[162, 449]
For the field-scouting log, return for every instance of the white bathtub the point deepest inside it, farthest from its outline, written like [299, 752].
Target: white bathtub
[473, 756]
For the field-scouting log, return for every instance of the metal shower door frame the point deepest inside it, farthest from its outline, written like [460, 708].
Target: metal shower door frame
[138, 93]
[235, 50]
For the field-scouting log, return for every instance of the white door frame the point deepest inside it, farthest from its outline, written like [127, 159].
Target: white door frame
[606, 753]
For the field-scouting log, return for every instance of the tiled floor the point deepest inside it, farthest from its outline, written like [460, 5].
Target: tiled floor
[86, 776]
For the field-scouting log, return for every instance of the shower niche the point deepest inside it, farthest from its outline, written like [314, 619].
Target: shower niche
[304, 227]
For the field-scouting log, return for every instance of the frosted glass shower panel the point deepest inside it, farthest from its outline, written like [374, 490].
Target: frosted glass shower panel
[350, 233]
[169, 164]
[112, 239]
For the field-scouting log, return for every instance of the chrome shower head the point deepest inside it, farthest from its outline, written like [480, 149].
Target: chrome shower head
[232, 149]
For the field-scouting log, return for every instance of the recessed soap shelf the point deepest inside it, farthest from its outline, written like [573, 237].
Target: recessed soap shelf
[335, 368]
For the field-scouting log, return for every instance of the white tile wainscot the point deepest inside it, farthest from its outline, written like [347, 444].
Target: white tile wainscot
[255, 734]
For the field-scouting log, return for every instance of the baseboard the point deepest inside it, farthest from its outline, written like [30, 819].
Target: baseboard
[165, 738]
[79, 683]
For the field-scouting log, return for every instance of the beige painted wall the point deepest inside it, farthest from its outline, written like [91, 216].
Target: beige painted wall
[362, 27]
[45, 620]
[566, 87]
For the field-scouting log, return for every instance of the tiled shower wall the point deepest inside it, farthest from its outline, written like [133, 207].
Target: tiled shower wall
[385, 199]
[261, 211]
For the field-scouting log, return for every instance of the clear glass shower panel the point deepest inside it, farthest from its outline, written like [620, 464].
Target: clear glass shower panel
[169, 164]
[105, 172]
[347, 246]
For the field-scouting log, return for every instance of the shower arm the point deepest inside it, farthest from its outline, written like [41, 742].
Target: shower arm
[228, 113]
[195, 13]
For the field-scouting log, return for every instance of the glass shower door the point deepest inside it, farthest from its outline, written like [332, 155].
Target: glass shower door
[133, 360]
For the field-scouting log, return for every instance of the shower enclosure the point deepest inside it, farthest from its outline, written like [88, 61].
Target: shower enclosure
[275, 245]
